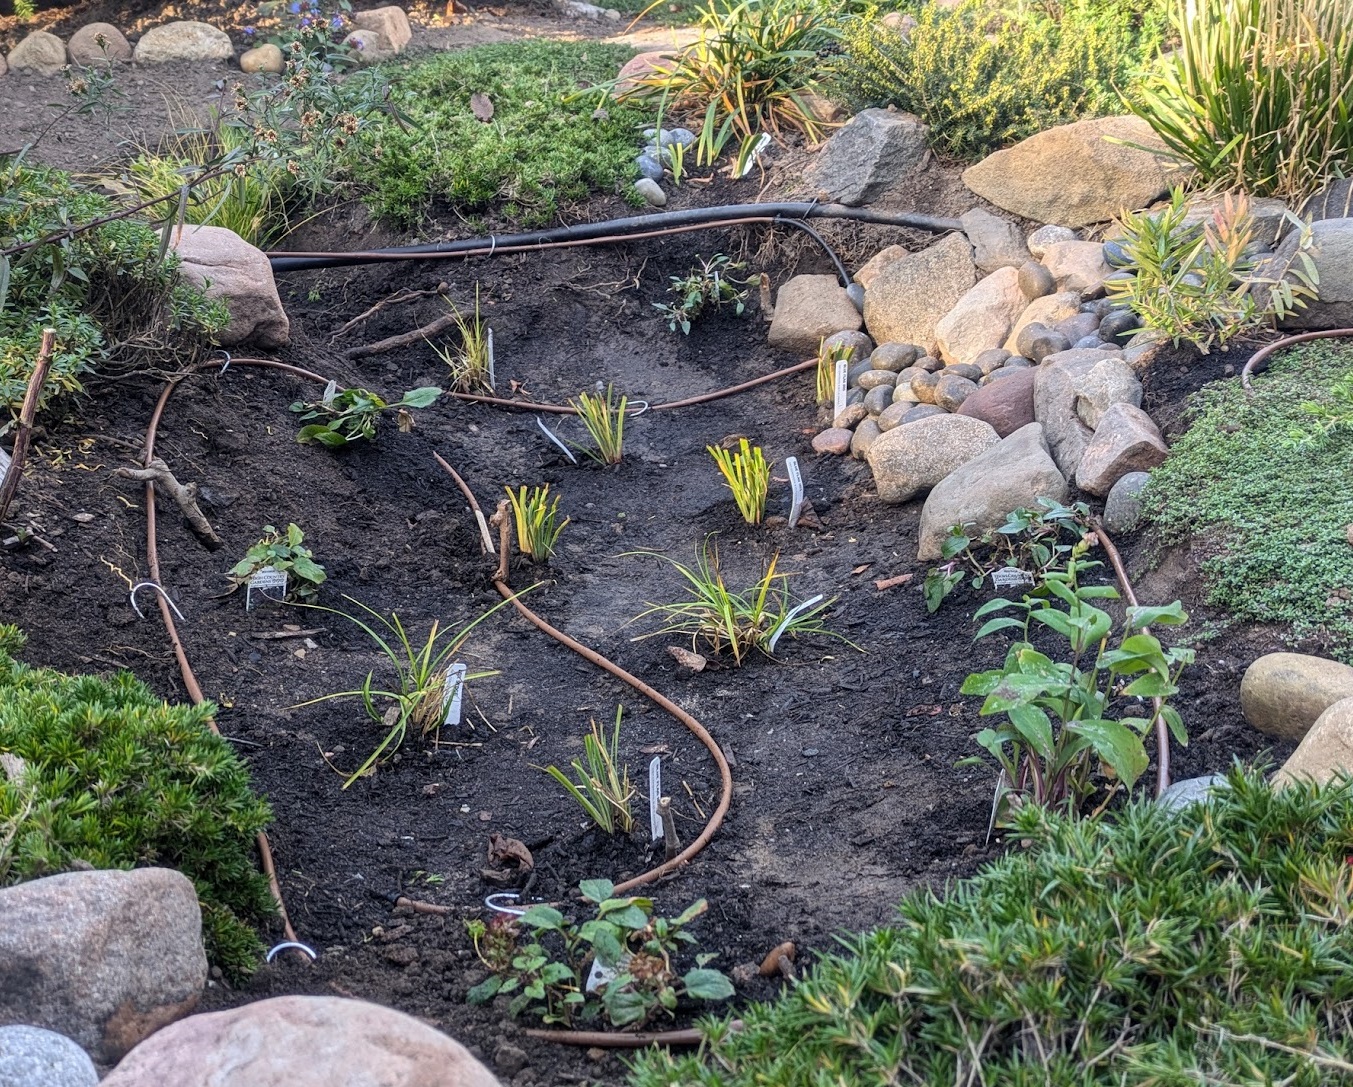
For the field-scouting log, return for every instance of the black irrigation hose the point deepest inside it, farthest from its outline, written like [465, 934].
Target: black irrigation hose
[618, 230]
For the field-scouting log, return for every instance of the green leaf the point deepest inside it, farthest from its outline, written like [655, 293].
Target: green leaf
[623, 1006]
[554, 973]
[317, 432]
[630, 917]
[1168, 615]
[485, 991]
[1004, 622]
[542, 917]
[1116, 745]
[596, 890]
[706, 984]
[982, 683]
[421, 398]
[1151, 685]
[691, 912]
[1035, 726]
[1176, 723]
[308, 569]
[1013, 690]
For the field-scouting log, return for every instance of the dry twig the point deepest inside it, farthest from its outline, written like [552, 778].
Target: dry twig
[10, 484]
[184, 494]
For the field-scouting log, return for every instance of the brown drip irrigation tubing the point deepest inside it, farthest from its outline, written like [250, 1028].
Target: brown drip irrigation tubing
[1162, 729]
[166, 613]
[592, 656]
[1287, 341]
[606, 1039]
[688, 402]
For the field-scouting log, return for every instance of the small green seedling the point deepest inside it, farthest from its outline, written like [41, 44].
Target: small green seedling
[537, 520]
[748, 477]
[285, 553]
[708, 286]
[352, 414]
[603, 788]
[470, 361]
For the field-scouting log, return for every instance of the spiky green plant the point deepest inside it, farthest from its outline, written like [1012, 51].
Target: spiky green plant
[471, 360]
[827, 358]
[747, 475]
[604, 417]
[1256, 97]
[537, 519]
[603, 788]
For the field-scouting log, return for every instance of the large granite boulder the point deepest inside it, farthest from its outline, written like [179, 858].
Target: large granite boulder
[98, 43]
[982, 318]
[808, 309]
[40, 53]
[867, 156]
[185, 41]
[1076, 174]
[909, 296]
[913, 457]
[1282, 694]
[1072, 391]
[223, 265]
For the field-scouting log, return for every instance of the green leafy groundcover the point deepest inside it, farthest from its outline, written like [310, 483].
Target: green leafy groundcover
[544, 146]
[1268, 513]
[112, 777]
[1208, 947]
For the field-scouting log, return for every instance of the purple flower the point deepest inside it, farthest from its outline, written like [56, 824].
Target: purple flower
[248, 31]
[305, 22]
[337, 22]
[294, 8]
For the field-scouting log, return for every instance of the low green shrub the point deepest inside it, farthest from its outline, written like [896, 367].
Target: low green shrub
[108, 293]
[101, 772]
[543, 146]
[1267, 512]
[984, 76]
[1212, 947]
[1256, 97]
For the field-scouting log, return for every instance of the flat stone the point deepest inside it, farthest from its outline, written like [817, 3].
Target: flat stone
[33, 1057]
[873, 379]
[910, 459]
[389, 21]
[982, 318]
[952, 390]
[894, 356]
[996, 242]
[1189, 791]
[1126, 441]
[39, 53]
[1077, 266]
[98, 43]
[1283, 694]
[1123, 507]
[808, 309]
[1047, 311]
[1009, 475]
[1035, 281]
[183, 41]
[892, 415]
[833, 440]
[871, 268]
[869, 155]
[263, 58]
[865, 435]
[1045, 236]
[1072, 390]
[1072, 175]
[1005, 405]
[301, 1041]
[1325, 752]
[105, 958]
[910, 296]
[223, 265]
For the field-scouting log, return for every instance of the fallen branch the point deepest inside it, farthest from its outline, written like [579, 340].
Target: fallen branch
[394, 300]
[183, 494]
[36, 380]
[404, 339]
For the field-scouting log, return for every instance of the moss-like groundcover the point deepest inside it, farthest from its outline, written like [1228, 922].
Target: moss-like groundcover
[1264, 497]
[99, 772]
[1206, 947]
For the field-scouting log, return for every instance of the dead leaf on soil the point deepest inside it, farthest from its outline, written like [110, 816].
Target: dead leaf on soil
[481, 107]
[655, 749]
[883, 584]
[861, 569]
[504, 851]
[684, 657]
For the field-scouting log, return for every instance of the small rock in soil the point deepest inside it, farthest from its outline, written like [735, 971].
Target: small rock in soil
[509, 1059]
[992, 360]
[33, 1057]
[1035, 281]
[850, 417]
[894, 356]
[835, 441]
[649, 167]
[951, 390]
[963, 369]
[865, 436]
[1190, 791]
[651, 191]
[1123, 507]
[878, 398]
[923, 384]
[860, 345]
[1282, 694]
[1045, 236]
[872, 379]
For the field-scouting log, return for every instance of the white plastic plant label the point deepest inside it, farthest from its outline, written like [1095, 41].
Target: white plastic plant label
[493, 380]
[655, 830]
[453, 690]
[1008, 577]
[796, 489]
[330, 391]
[261, 582]
[842, 383]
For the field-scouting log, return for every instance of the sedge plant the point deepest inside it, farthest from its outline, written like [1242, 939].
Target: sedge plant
[748, 476]
[604, 417]
[727, 621]
[602, 788]
[471, 360]
[419, 693]
[827, 358]
[537, 520]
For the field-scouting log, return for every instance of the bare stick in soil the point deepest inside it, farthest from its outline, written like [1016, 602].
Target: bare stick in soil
[26, 415]
[185, 495]
[394, 300]
[404, 339]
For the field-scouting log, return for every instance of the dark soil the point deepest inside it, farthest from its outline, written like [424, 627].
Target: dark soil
[846, 791]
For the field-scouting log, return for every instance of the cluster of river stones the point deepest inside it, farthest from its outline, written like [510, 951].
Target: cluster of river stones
[375, 36]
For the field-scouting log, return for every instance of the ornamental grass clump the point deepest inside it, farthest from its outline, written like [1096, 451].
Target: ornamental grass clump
[1208, 946]
[1256, 97]
[97, 771]
[747, 474]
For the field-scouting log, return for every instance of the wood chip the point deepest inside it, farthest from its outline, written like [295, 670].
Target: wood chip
[883, 584]
[684, 657]
[861, 569]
